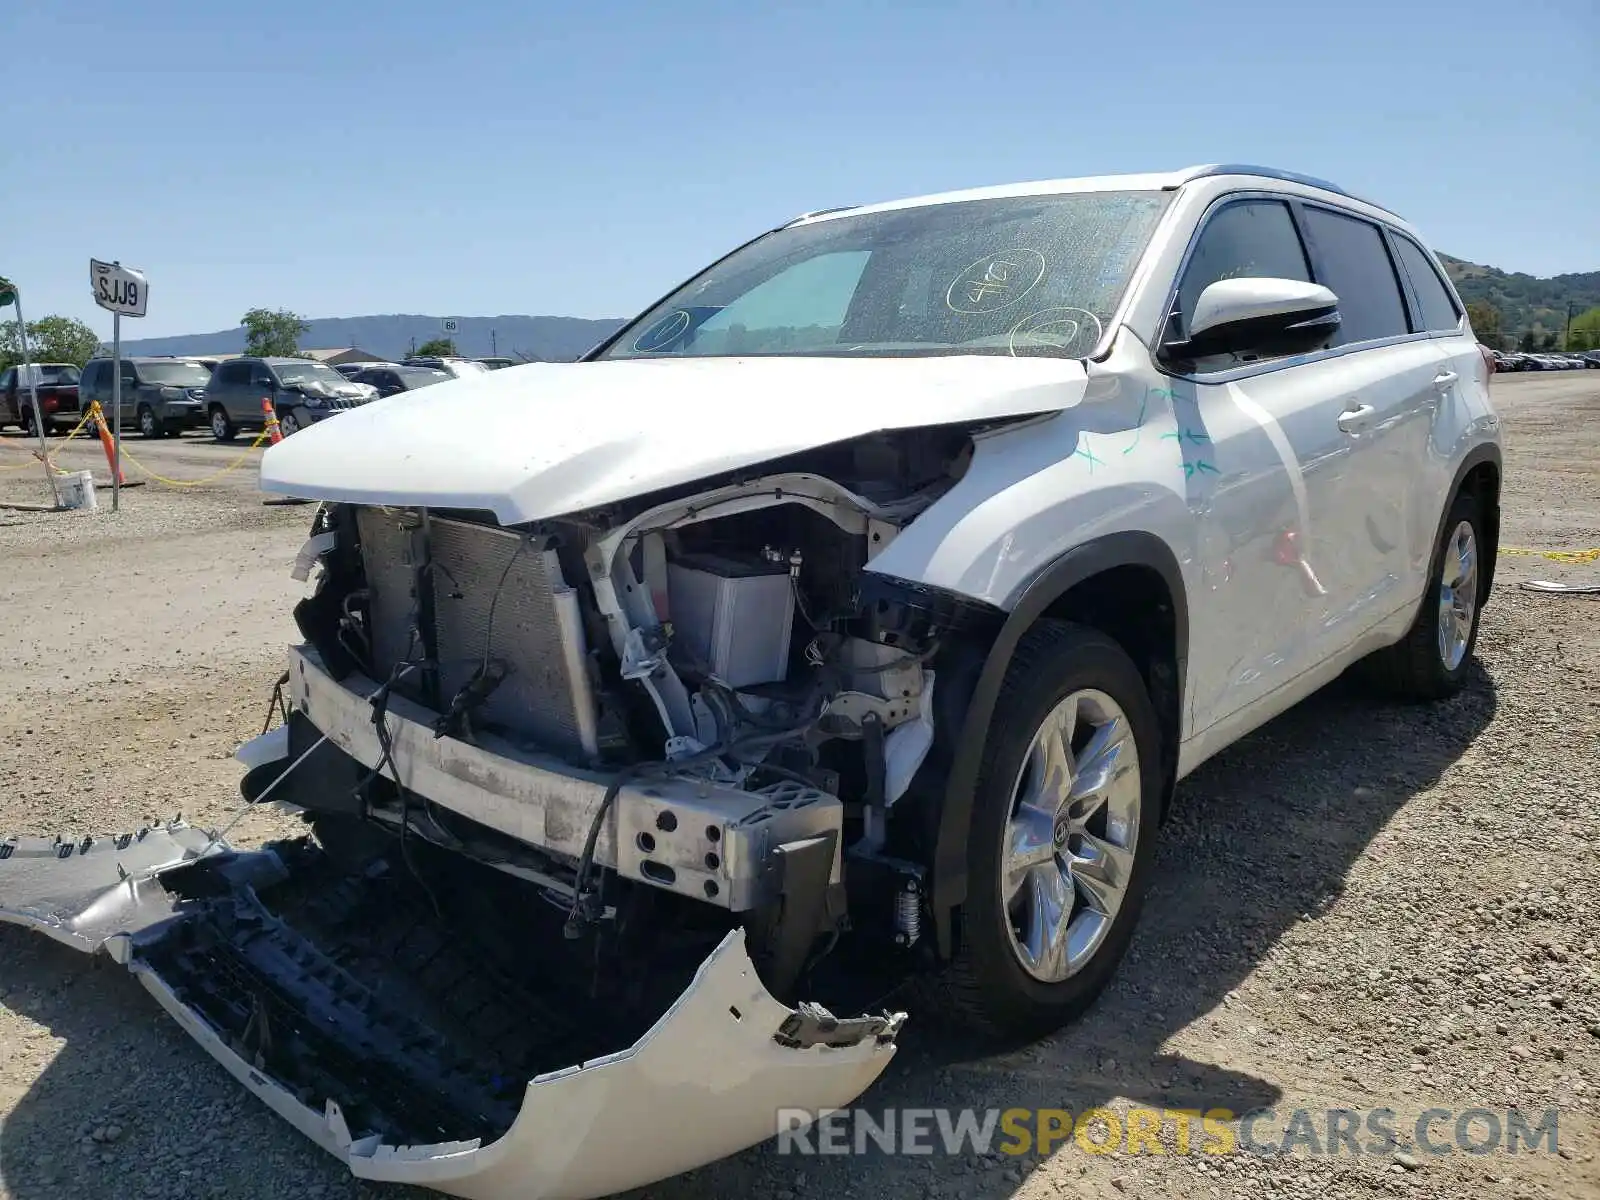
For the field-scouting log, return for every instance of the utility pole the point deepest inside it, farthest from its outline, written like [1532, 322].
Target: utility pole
[11, 294]
[494, 346]
[1566, 338]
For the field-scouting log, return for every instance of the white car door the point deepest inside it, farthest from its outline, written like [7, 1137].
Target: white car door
[1388, 373]
[1266, 470]
[1461, 398]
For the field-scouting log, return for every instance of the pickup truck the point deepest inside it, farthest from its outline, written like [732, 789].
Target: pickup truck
[57, 387]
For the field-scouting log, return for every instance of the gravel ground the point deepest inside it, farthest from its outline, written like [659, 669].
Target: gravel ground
[1358, 907]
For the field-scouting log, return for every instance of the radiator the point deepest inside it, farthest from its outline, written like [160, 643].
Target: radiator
[546, 699]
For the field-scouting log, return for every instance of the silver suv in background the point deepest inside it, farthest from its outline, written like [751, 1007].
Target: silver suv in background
[161, 397]
[461, 368]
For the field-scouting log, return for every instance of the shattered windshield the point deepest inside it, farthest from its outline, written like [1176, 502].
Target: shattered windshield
[1016, 275]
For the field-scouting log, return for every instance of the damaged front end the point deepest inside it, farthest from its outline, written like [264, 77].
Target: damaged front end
[607, 815]
[432, 1037]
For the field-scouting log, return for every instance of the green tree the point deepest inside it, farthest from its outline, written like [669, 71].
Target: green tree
[1528, 342]
[63, 339]
[273, 334]
[1585, 330]
[50, 339]
[438, 346]
[1485, 320]
[1550, 340]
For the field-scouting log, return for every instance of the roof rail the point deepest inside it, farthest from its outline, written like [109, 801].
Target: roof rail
[1276, 173]
[818, 212]
[1265, 172]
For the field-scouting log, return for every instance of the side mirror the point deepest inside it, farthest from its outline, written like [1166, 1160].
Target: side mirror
[1265, 317]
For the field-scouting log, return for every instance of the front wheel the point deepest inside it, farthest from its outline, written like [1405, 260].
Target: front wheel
[289, 424]
[149, 427]
[1062, 833]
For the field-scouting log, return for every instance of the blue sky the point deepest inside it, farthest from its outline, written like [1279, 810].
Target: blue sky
[479, 157]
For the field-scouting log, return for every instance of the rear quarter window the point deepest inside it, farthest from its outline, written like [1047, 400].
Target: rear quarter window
[1438, 308]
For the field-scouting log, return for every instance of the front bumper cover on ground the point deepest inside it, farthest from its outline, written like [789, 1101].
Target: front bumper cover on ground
[706, 1080]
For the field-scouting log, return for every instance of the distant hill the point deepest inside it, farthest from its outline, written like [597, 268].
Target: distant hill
[549, 339]
[1524, 301]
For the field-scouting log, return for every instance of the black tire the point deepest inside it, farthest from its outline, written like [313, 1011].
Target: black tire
[290, 424]
[986, 985]
[27, 422]
[149, 426]
[1416, 668]
[222, 427]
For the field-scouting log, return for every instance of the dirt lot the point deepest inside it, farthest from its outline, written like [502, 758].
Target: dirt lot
[1358, 907]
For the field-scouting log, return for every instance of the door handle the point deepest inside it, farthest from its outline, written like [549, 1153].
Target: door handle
[1354, 420]
[1444, 379]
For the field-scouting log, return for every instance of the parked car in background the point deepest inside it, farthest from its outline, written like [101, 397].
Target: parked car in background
[351, 370]
[161, 397]
[393, 378]
[1591, 358]
[55, 385]
[461, 368]
[302, 393]
[498, 363]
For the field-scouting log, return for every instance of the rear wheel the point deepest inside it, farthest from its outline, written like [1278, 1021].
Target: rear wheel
[1062, 833]
[1431, 661]
[221, 427]
[27, 421]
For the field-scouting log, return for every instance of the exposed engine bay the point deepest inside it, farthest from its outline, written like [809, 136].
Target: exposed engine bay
[686, 712]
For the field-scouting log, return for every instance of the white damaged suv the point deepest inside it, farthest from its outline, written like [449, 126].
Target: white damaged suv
[844, 621]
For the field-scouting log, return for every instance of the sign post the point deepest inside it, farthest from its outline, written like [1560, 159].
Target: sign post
[449, 326]
[122, 292]
[11, 294]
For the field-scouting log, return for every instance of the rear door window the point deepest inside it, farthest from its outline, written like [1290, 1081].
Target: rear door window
[1438, 310]
[233, 374]
[1353, 260]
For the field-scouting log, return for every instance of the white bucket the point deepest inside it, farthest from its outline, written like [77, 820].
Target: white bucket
[77, 490]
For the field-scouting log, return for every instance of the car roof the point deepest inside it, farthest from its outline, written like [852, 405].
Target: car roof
[140, 358]
[1147, 182]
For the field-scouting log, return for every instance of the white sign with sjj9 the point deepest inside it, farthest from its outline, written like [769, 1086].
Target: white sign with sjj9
[117, 288]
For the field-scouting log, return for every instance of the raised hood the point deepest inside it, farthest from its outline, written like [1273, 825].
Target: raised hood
[547, 439]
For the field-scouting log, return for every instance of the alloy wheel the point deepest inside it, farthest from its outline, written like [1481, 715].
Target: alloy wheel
[1068, 855]
[1458, 595]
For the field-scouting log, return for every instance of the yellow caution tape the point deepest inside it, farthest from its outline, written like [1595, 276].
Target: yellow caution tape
[94, 415]
[1562, 556]
[243, 455]
[76, 430]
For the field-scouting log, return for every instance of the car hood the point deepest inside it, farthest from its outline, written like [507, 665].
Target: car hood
[547, 439]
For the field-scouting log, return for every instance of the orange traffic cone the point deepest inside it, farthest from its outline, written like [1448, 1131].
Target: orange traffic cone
[275, 434]
[98, 416]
